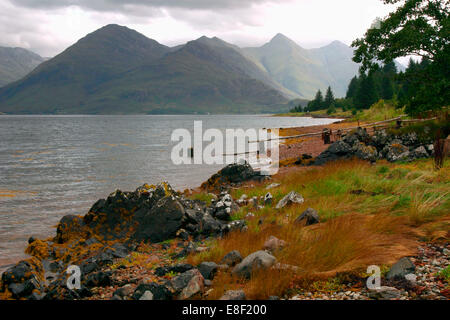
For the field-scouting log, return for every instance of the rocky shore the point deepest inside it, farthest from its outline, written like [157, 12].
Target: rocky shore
[133, 245]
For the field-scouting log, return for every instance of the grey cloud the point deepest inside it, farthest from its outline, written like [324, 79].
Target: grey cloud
[119, 5]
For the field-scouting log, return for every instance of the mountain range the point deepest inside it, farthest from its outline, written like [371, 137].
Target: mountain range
[116, 70]
[16, 63]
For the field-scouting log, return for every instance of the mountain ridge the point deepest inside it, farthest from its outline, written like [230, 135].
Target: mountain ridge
[119, 70]
[16, 62]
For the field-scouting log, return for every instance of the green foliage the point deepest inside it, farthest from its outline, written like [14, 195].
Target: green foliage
[317, 103]
[331, 109]
[416, 27]
[329, 99]
[445, 274]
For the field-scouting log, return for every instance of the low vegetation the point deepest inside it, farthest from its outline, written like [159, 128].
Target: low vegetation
[370, 214]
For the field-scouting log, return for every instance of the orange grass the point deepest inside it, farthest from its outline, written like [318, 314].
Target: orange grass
[400, 204]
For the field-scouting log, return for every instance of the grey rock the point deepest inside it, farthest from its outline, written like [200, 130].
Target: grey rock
[233, 295]
[195, 285]
[232, 258]
[310, 216]
[159, 291]
[420, 152]
[208, 269]
[162, 221]
[257, 260]
[148, 295]
[401, 268]
[290, 198]
[384, 293]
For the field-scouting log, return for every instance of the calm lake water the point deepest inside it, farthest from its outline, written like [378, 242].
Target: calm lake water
[51, 166]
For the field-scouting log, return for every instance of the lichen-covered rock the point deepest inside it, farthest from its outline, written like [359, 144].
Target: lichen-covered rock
[381, 145]
[365, 152]
[397, 152]
[24, 278]
[69, 226]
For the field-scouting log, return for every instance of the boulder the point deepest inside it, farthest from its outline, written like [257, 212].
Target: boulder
[162, 221]
[365, 152]
[337, 150]
[310, 216]
[148, 295]
[273, 244]
[208, 269]
[180, 282]
[396, 152]
[238, 225]
[290, 198]
[99, 279]
[125, 291]
[231, 174]
[233, 295]
[69, 226]
[159, 291]
[253, 262]
[195, 285]
[420, 152]
[384, 293]
[23, 279]
[399, 270]
[209, 225]
[232, 258]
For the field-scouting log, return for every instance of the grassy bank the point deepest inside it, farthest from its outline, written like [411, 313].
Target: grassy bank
[379, 111]
[370, 214]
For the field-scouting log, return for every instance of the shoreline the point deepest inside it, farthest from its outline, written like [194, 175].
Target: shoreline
[312, 146]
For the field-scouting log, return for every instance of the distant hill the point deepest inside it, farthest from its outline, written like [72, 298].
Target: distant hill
[305, 71]
[15, 63]
[117, 70]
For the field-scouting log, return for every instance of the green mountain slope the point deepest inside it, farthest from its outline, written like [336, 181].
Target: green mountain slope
[69, 79]
[305, 71]
[119, 71]
[16, 63]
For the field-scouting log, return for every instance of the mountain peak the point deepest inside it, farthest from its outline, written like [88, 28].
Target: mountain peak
[280, 40]
[337, 43]
[280, 37]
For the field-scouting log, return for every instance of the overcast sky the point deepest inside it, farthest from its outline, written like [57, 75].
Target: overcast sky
[49, 26]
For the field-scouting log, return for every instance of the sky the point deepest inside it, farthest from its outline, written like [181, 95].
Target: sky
[47, 27]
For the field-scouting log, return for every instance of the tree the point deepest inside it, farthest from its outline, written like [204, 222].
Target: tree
[387, 88]
[329, 98]
[317, 103]
[366, 94]
[420, 28]
[352, 88]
